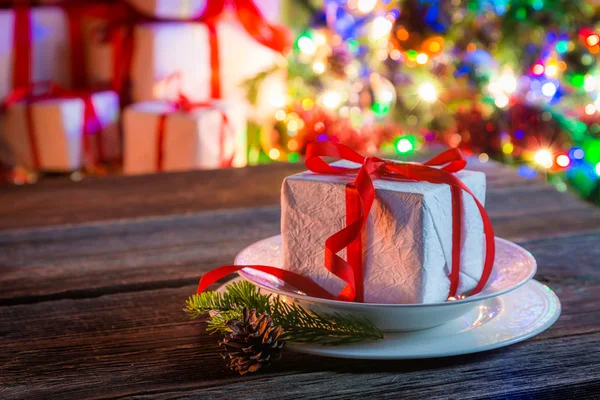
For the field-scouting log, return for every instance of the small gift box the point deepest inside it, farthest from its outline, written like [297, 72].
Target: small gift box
[407, 245]
[34, 46]
[198, 52]
[175, 136]
[61, 130]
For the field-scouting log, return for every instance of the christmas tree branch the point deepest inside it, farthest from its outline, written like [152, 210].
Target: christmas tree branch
[300, 325]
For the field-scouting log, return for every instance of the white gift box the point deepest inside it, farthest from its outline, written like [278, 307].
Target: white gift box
[407, 240]
[49, 47]
[191, 140]
[185, 9]
[164, 49]
[59, 132]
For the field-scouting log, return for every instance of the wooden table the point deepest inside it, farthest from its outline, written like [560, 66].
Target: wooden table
[94, 276]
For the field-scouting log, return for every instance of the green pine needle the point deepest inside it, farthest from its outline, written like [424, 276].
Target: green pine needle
[300, 325]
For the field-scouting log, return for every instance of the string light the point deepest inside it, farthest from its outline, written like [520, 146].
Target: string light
[548, 89]
[306, 45]
[576, 153]
[422, 58]
[331, 99]
[280, 115]
[404, 145]
[590, 109]
[507, 148]
[538, 69]
[380, 28]
[589, 83]
[508, 83]
[366, 6]
[501, 100]
[274, 154]
[428, 92]
[544, 158]
[563, 160]
[550, 70]
[320, 39]
[318, 67]
[592, 40]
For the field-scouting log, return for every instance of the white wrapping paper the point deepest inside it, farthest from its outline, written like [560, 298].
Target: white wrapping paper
[191, 140]
[164, 49]
[185, 9]
[58, 126]
[49, 44]
[407, 242]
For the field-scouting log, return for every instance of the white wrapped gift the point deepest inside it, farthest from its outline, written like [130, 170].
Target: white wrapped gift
[190, 140]
[407, 240]
[186, 9]
[49, 47]
[58, 133]
[164, 49]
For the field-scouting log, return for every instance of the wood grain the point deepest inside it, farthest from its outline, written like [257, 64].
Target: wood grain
[92, 288]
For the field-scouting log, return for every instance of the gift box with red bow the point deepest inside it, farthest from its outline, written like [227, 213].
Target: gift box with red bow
[60, 130]
[182, 135]
[214, 52]
[372, 230]
[34, 46]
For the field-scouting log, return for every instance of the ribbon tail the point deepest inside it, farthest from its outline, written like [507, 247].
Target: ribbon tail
[457, 205]
[160, 142]
[300, 282]
[22, 44]
[354, 249]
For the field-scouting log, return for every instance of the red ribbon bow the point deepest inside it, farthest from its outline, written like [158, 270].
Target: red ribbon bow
[41, 91]
[186, 105]
[360, 195]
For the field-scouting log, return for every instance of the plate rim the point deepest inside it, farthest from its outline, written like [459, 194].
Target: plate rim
[470, 299]
[313, 349]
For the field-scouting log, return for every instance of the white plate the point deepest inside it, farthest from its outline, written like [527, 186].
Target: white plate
[495, 322]
[513, 267]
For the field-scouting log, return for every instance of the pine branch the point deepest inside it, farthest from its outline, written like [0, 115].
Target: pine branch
[300, 325]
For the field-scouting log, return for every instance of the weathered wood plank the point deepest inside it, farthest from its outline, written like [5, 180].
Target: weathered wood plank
[61, 201]
[57, 202]
[91, 259]
[142, 344]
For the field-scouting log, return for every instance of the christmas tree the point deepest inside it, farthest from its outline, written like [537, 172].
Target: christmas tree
[516, 81]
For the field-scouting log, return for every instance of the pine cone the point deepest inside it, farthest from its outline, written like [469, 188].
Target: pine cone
[253, 343]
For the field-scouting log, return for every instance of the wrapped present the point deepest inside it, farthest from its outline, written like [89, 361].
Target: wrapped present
[34, 46]
[61, 130]
[406, 246]
[214, 54]
[175, 136]
[379, 231]
[188, 9]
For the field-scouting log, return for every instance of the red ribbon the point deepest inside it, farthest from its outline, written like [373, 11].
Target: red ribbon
[360, 195]
[276, 37]
[185, 105]
[22, 42]
[41, 91]
[22, 47]
[76, 14]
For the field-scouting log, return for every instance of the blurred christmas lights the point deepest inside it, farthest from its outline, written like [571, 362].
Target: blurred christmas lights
[428, 92]
[544, 158]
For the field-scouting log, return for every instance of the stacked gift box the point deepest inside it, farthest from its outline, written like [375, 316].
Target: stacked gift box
[83, 83]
